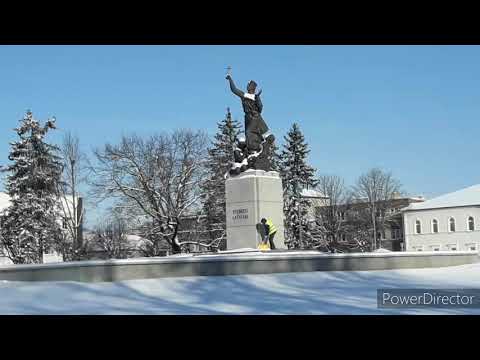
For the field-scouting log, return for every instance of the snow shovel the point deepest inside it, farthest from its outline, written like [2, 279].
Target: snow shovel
[264, 245]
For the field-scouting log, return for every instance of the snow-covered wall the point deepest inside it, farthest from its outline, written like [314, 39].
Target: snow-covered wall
[231, 264]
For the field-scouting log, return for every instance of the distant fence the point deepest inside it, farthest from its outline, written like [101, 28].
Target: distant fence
[231, 264]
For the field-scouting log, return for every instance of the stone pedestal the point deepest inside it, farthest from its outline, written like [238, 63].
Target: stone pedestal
[251, 196]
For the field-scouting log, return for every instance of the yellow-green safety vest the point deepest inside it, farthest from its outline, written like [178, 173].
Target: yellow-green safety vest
[271, 228]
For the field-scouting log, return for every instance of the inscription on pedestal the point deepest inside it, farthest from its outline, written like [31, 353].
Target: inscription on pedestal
[240, 214]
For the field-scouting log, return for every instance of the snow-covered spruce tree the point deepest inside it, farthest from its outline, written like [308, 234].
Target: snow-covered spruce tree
[29, 224]
[274, 157]
[220, 156]
[296, 175]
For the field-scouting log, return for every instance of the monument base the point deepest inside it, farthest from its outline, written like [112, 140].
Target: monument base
[251, 196]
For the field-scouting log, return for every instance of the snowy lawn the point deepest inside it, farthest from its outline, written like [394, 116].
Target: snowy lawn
[339, 292]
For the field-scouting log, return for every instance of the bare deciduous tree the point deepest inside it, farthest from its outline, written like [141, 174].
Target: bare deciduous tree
[330, 218]
[71, 204]
[157, 180]
[111, 237]
[377, 188]
[358, 228]
[195, 233]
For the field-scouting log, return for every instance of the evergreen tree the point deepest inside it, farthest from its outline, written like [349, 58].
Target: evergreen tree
[220, 156]
[30, 224]
[296, 175]
[275, 159]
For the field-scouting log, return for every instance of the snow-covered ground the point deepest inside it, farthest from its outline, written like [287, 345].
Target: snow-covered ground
[338, 292]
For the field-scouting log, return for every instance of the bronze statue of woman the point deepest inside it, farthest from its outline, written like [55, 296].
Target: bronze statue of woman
[256, 130]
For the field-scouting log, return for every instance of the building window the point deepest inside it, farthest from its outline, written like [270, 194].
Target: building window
[418, 227]
[435, 226]
[471, 223]
[398, 233]
[64, 224]
[451, 224]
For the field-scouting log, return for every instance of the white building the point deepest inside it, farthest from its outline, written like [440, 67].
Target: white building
[316, 199]
[448, 222]
[4, 201]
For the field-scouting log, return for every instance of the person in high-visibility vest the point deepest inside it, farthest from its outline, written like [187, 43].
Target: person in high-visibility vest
[270, 231]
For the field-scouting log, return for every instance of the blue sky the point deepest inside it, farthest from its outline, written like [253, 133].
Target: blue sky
[413, 110]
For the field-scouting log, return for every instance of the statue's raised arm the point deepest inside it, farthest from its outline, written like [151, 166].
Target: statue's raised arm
[234, 89]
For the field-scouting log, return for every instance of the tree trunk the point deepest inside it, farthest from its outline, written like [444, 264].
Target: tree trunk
[374, 244]
[176, 249]
[40, 252]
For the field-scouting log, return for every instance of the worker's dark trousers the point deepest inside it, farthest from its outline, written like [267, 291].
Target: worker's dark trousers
[270, 240]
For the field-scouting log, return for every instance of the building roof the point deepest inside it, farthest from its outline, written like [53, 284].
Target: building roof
[469, 196]
[310, 193]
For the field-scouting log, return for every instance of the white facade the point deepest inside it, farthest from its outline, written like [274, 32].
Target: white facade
[447, 223]
[4, 201]
[316, 198]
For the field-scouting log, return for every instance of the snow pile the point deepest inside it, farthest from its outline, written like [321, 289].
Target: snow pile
[382, 251]
[238, 251]
[348, 292]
